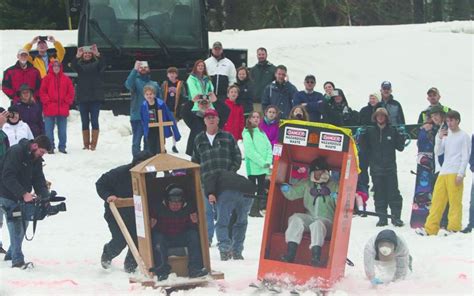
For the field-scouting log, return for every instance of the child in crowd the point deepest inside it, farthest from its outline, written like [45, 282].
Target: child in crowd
[246, 92]
[235, 122]
[174, 95]
[299, 113]
[30, 110]
[15, 128]
[258, 157]
[270, 123]
[149, 114]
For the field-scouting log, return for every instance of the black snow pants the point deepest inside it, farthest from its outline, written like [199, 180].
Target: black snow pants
[387, 194]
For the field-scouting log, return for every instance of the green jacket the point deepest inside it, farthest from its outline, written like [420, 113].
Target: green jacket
[262, 74]
[198, 86]
[3, 143]
[323, 207]
[258, 152]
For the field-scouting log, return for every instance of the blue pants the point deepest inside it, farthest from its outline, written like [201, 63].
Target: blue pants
[90, 114]
[137, 136]
[210, 213]
[228, 201]
[189, 239]
[16, 232]
[61, 122]
[471, 206]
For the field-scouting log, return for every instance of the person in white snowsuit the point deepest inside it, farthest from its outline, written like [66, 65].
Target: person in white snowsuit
[319, 192]
[386, 258]
[15, 128]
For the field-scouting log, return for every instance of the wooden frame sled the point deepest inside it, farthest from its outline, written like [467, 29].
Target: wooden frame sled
[149, 179]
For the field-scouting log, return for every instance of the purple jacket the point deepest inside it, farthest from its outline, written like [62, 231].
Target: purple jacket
[32, 115]
[271, 130]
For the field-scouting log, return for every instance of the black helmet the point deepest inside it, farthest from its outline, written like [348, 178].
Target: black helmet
[319, 163]
[174, 193]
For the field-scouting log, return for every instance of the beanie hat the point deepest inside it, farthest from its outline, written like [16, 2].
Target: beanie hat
[318, 164]
[174, 193]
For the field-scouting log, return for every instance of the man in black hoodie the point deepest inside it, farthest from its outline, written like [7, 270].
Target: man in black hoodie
[380, 143]
[113, 185]
[21, 170]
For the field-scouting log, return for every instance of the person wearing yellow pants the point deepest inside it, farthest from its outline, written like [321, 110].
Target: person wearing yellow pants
[456, 146]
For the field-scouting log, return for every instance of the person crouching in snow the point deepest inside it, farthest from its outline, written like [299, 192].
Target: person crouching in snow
[149, 114]
[384, 251]
[176, 226]
[319, 192]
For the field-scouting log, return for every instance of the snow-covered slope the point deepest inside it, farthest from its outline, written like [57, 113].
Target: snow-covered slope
[67, 247]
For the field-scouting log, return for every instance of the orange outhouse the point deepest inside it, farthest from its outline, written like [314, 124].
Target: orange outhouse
[300, 143]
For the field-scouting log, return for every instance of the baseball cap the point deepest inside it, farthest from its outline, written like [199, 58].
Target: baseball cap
[217, 44]
[211, 112]
[436, 109]
[310, 77]
[433, 90]
[386, 85]
[21, 51]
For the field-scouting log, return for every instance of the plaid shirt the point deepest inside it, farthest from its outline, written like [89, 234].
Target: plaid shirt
[222, 155]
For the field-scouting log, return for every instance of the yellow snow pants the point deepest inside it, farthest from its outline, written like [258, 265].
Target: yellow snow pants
[445, 190]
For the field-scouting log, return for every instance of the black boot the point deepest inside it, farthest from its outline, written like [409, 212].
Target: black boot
[105, 259]
[162, 272]
[396, 213]
[397, 222]
[316, 256]
[382, 222]
[129, 265]
[290, 253]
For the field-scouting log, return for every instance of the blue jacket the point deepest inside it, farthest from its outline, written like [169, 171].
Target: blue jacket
[135, 83]
[167, 116]
[280, 95]
[471, 160]
[314, 102]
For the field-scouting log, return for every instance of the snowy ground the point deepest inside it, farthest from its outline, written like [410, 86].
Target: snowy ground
[67, 247]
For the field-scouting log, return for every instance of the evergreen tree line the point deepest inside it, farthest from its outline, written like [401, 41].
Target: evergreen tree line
[258, 14]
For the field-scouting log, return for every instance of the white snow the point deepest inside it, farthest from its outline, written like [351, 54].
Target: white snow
[67, 247]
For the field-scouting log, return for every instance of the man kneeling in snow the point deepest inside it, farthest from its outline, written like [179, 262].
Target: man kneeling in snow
[386, 258]
[174, 227]
[319, 193]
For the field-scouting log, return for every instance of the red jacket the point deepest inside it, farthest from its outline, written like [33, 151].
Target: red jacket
[15, 76]
[235, 122]
[56, 93]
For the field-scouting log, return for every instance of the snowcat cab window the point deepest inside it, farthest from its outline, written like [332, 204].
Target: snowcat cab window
[147, 23]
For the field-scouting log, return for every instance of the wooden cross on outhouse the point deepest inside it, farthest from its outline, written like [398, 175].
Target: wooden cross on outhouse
[161, 127]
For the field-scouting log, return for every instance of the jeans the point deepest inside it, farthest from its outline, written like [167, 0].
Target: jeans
[471, 206]
[137, 135]
[90, 114]
[210, 212]
[226, 202]
[16, 232]
[61, 122]
[189, 239]
[1, 226]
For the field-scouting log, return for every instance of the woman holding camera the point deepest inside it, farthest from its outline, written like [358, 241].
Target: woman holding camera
[200, 85]
[89, 66]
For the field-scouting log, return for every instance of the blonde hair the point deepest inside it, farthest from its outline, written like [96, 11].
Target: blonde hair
[149, 87]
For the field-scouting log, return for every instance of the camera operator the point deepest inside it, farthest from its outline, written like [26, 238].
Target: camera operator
[21, 170]
[115, 184]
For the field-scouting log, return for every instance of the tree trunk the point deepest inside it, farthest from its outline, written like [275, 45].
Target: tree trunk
[419, 11]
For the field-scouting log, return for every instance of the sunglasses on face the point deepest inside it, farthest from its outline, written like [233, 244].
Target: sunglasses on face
[309, 81]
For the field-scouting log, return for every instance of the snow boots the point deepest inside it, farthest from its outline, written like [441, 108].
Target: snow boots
[225, 256]
[382, 222]
[86, 139]
[129, 265]
[105, 259]
[195, 273]
[290, 253]
[94, 139]
[316, 256]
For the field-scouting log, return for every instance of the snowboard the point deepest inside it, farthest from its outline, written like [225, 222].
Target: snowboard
[425, 177]
[411, 130]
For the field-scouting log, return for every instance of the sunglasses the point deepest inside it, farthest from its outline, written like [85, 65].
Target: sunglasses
[309, 81]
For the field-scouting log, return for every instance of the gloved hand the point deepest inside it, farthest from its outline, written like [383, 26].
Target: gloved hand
[376, 281]
[285, 187]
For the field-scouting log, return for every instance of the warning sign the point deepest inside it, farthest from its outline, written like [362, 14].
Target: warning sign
[295, 136]
[331, 141]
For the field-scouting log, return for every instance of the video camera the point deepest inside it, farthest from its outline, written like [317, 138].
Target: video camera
[39, 208]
